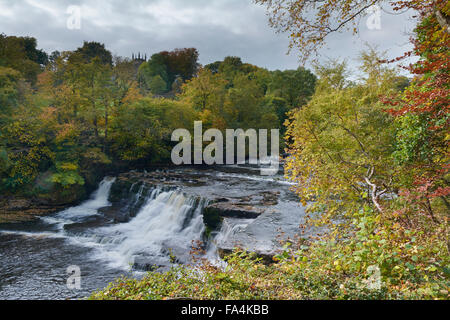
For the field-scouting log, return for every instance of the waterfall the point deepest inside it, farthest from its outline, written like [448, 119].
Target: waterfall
[88, 208]
[167, 221]
[159, 224]
[229, 228]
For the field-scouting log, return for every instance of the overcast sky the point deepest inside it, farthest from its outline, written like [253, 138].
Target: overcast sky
[217, 28]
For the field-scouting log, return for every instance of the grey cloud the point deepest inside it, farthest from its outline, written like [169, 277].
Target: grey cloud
[217, 28]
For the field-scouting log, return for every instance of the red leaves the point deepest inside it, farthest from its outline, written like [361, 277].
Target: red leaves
[440, 192]
[427, 96]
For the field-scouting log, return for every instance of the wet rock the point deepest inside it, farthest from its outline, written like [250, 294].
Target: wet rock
[160, 177]
[222, 200]
[120, 189]
[145, 264]
[234, 210]
[270, 198]
[116, 213]
[18, 204]
[214, 213]
[128, 195]
[21, 209]
[211, 218]
[81, 227]
[176, 253]
[261, 199]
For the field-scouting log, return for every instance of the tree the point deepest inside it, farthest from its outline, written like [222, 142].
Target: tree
[421, 114]
[92, 86]
[21, 54]
[92, 50]
[8, 103]
[243, 104]
[231, 67]
[142, 129]
[157, 85]
[233, 94]
[420, 110]
[206, 93]
[34, 54]
[25, 148]
[202, 90]
[181, 62]
[213, 67]
[124, 71]
[295, 86]
[156, 66]
[309, 22]
[280, 107]
[9, 93]
[340, 152]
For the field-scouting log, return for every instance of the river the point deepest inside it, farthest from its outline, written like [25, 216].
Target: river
[35, 256]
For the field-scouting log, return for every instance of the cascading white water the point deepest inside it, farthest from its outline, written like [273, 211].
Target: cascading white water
[167, 220]
[228, 229]
[88, 208]
[231, 226]
[37, 253]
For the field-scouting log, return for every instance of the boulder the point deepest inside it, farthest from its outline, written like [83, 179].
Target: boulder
[233, 210]
[226, 208]
[118, 214]
[270, 198]
[81, 227]
[144, 264]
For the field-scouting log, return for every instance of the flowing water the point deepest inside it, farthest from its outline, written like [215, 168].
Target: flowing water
[34, 256]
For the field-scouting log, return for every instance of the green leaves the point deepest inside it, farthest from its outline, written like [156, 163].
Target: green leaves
[338, 138]
[157, 85]
[411, 139]
[67, 175]
[67, 178]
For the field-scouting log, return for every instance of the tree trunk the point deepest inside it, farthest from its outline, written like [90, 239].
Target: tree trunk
[375, 194]
[443, 21]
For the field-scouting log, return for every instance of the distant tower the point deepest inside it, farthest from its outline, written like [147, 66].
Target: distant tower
[138, 58]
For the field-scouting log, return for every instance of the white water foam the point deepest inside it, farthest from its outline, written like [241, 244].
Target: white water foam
[88, 208]
[166, 217]
[167, 220]
[229, 228]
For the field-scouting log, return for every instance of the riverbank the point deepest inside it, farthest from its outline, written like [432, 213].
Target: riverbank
[17, 209]
[365, 267]
[320, 271]
[30, 205]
